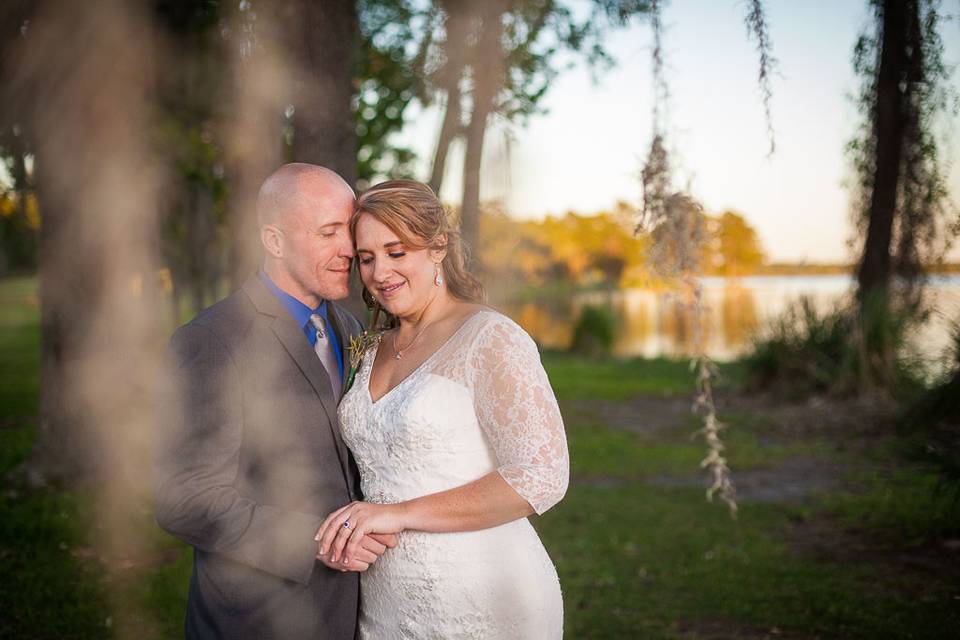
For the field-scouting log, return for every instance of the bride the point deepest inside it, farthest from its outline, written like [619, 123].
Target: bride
[458, 438]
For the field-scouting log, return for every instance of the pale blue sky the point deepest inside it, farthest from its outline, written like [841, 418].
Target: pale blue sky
[585, 154]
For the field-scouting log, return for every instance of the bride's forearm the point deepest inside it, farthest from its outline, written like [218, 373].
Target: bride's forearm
[486, 502]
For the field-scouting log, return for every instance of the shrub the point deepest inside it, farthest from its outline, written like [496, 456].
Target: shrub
[801, 352]
[594, 332]
[933, 423]
[840, 352]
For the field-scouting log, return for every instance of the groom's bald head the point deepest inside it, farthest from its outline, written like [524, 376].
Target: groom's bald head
[297, 185]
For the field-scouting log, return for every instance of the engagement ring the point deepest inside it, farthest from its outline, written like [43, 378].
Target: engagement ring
[346, 524]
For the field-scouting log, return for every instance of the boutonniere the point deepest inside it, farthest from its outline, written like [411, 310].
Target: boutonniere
[361, 344]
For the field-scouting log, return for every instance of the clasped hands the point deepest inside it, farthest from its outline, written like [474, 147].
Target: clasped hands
[354, 536]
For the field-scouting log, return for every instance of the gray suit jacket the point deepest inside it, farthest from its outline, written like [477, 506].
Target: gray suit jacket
[249, 460]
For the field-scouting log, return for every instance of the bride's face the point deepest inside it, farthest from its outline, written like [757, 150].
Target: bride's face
[400, 278]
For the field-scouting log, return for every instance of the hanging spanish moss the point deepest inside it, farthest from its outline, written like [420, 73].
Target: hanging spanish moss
[675, 222]
[758, 29]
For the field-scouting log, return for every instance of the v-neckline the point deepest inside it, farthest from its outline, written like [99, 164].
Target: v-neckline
[416, 369]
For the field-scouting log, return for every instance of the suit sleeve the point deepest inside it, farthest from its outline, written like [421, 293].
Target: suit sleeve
[197, 455]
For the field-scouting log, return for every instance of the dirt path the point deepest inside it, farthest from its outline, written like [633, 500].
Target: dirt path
[848, 426]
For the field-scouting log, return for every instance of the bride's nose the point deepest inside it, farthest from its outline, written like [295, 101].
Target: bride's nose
[381, 270]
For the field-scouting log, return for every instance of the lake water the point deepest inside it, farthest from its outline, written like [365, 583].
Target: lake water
[656, 323]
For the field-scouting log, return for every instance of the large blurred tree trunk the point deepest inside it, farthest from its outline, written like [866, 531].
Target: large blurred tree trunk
[94, 179]
[323, 38]
[894, 88]
[254, 136]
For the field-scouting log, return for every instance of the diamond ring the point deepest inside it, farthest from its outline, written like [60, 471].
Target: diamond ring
[346, 524]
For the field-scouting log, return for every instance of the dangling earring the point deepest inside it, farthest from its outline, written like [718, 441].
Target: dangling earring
[438, 280]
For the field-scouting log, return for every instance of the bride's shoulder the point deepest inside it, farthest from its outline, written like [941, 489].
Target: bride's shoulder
[490, 324]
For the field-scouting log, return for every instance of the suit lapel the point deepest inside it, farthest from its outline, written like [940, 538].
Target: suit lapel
[299, 349]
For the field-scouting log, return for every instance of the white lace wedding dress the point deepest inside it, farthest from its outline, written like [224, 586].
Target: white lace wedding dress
[481, 402]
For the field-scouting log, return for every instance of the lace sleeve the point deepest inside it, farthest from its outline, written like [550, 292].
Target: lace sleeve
[518, 412]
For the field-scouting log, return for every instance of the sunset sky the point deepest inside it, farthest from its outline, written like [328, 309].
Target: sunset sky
[586, 153]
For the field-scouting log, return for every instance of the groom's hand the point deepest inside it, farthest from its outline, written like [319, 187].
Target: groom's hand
[371, 547]
[388, 540]
[355, 565]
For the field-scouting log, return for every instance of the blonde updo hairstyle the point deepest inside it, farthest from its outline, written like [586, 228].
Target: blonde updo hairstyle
[412, 211]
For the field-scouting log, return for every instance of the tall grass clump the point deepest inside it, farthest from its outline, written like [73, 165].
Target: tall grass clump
[933, 423]
[807, 352]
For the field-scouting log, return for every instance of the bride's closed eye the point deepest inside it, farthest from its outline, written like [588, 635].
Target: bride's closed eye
[395, 255]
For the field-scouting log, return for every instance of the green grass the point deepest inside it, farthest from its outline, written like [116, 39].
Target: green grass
[19, 349]
[903, 505]
[634, 559]
[45, 592]
[577, 378]
[600, 450]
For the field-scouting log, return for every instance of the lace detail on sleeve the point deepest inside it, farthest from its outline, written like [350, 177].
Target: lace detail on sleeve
[519, 414]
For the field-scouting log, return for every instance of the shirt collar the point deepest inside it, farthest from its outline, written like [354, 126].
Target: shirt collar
[301, 313]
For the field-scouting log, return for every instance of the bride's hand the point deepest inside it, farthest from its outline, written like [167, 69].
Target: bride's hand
[341, 543]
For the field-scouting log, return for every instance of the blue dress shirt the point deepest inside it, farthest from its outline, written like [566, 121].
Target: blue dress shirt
[301, 315]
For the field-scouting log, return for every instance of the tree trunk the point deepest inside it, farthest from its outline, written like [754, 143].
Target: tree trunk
[457, 28]
[449, 130]
[96, 183]
[893, 94]
[254, 136]
[323, 39]
[201, 242]
[487, 76]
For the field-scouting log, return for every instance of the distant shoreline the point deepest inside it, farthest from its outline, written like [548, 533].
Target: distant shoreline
[810, 269]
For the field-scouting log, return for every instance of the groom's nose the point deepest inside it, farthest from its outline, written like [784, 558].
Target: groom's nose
[346, 247]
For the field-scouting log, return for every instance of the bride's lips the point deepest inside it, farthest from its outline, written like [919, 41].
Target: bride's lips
[388, 290]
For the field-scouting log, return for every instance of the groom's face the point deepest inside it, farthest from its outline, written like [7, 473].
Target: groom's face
[316, 245]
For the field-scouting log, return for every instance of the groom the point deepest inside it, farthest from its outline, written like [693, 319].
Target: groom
[250, 458]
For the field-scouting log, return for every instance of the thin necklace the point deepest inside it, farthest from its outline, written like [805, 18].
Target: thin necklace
[398, 350]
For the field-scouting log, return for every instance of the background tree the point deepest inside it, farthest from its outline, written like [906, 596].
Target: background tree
[395, 37]
[737, 245]
[323, 39]
[479, 61]
[903, 205]
[19, 223]
[191, 91]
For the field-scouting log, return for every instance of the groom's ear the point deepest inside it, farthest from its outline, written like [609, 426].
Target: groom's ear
[439, 250]
[272, 239]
